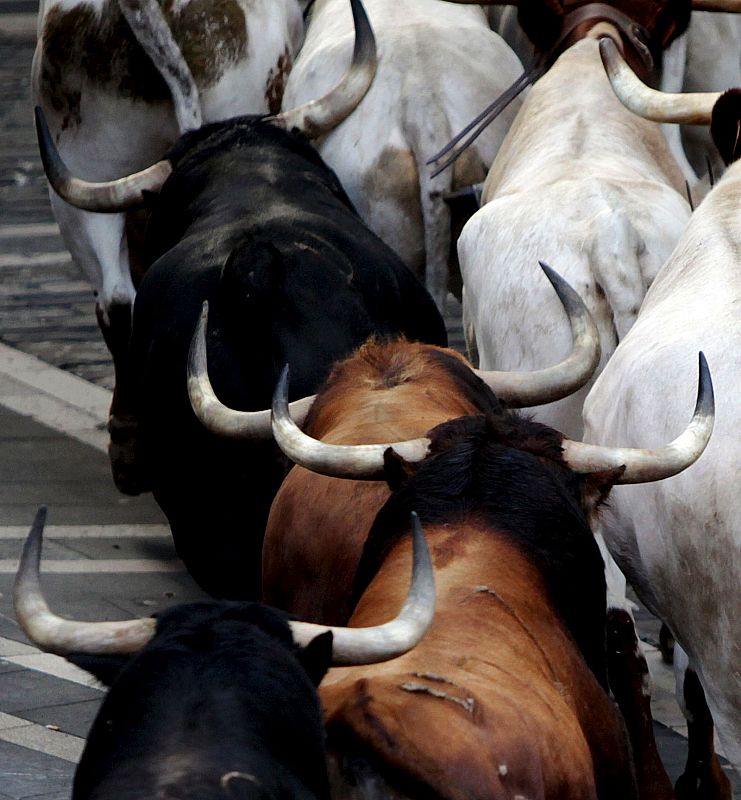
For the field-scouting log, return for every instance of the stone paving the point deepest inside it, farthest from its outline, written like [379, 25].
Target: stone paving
[106, 556]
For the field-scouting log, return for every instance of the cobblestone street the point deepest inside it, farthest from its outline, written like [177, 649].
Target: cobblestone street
[46, 308]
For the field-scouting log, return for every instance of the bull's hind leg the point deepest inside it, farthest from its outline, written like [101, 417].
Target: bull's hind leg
[703, 777]
[630, 684]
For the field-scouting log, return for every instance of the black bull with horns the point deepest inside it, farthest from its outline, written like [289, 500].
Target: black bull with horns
[247, 217]
[254, 223]
[212, 699]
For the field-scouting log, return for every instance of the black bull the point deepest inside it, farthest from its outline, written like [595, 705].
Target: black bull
[254, 222]
[221, 704]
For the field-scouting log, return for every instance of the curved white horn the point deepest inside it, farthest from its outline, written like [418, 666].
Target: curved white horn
[646, 465]
[522, 389]
[358, 462]
[689, 108]
[211, 412]
[62, 636]
[104, 196]
[355, 646]
[320, 116]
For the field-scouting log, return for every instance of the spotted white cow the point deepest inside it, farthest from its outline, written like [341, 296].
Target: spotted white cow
[439, 66]
[580, 181]
[679, 542]
[111, 111]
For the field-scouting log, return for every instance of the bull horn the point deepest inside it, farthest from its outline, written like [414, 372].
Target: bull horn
[646, 465]
[318, 117]
[215, 416]
[692, 108]
[62, 636]
[358, 462]
[522, 389]
[103, 196]
[356, 646]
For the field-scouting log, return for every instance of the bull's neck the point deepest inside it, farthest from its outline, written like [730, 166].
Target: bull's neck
[571, 124]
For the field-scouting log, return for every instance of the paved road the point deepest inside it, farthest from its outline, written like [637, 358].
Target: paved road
[107, 556]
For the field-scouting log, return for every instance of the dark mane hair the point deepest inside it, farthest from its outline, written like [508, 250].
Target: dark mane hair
[508, 470]
[725, 125]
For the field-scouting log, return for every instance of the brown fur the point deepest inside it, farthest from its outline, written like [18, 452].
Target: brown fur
[276, 83]
[381, 394]
[81, 47]
[663, 19]
[495, 701]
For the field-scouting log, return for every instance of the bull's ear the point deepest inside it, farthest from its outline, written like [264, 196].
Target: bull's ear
[105, 668]
[396, 470]
[316, 657]
[596, 486]
[725, 125]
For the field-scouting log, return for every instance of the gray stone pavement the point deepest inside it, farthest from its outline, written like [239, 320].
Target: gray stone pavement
[106, 556]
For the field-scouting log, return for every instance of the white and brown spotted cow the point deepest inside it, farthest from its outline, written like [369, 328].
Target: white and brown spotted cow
[113, 110]
[439, 65]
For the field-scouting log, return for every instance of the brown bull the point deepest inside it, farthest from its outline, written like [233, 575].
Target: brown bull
[506, 696]
[380, 395]
[499, 701]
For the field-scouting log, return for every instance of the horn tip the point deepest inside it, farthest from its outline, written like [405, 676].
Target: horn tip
[280, 395]
[705, 394]
[35, 535]
[607, 49]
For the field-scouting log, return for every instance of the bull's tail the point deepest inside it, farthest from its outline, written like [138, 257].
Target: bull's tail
[150, 28]
[443, 222]
[425, 136]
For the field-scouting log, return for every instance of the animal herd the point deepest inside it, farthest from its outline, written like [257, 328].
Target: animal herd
[255, 198]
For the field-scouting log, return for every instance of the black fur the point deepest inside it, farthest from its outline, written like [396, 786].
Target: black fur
[252, 221]
[508, 470]
[725, 125]
[221, 688]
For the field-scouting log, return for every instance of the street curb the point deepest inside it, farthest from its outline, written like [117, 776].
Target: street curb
[55, 398]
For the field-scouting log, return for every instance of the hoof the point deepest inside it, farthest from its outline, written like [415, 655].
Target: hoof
[128, 474]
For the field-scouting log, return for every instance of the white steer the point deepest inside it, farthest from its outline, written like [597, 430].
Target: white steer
[679, 541]
[111, 112]
[582, 183]
[439, 66]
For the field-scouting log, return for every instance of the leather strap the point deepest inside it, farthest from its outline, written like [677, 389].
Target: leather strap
[635, 35]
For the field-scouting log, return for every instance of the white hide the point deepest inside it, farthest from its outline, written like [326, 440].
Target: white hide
[439, 66]
[107, 134]
[590, 189]
[679, 540]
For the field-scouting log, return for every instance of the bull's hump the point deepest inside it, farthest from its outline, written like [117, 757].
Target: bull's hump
[92, 43]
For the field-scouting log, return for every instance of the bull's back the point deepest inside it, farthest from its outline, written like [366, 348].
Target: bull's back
[495, 701]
